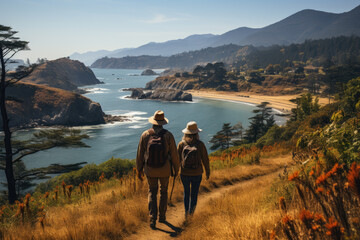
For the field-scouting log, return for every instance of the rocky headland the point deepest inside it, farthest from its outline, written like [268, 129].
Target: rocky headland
[160, 94]
[63, 73]
[32, 105]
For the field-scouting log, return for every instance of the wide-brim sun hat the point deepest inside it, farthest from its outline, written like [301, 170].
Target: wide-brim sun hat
[191, 128]
[158, 118]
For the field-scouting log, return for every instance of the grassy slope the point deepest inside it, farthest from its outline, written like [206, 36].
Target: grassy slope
[114, 210]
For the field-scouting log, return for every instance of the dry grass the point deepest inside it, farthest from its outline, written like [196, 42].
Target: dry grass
[112, 213]
[235, 215]
[113, 210]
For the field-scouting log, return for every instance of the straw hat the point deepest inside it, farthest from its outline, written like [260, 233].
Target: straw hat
[158, 118]
[191, 128]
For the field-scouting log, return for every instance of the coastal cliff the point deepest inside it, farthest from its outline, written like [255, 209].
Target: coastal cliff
[62, 73]
[32, 105]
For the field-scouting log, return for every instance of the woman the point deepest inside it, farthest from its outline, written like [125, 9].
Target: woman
[193, 156]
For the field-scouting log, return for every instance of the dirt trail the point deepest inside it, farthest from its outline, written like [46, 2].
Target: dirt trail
[175, 215]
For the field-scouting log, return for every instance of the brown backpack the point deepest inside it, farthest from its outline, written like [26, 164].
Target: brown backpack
[156, 155]
[190, 156]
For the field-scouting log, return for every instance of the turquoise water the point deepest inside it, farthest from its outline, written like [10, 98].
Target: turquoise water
[121, 139]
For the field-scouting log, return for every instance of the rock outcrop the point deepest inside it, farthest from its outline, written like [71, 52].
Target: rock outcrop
[169, 82]
[33, 105]
[160, 94]
[62, 73]
[148, 72]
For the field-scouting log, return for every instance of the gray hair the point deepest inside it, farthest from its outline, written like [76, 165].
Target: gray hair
[190, 137]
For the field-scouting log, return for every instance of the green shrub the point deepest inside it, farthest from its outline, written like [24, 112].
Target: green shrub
[272, 136]
[90, 172]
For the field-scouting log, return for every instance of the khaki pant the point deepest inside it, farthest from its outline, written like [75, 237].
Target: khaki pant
[152, 197]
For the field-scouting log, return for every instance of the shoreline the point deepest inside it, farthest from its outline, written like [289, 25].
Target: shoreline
[280, 103]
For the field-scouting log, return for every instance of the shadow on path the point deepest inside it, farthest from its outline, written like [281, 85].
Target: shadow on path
[176, 230]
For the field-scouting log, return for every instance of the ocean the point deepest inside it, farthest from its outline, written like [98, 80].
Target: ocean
[120, 139]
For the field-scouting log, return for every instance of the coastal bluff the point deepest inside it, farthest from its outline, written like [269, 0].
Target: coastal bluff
[33, 105]
[62, 73]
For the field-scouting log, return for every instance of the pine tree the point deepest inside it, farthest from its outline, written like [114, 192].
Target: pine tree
[260, 123]
[222, 138]
[12, 152]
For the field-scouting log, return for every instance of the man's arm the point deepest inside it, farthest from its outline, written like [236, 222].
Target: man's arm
[140, 155]
[180, 149]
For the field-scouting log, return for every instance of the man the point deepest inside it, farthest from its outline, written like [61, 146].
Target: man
[157, 156]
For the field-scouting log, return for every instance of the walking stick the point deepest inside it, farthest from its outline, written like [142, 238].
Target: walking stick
[172, 189]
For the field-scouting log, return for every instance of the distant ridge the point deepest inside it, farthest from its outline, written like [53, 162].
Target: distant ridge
[336, 50]
[307, 25]
[304, 25]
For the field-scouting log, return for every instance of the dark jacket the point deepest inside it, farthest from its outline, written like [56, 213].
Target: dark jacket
[204, 158]
[170, 148]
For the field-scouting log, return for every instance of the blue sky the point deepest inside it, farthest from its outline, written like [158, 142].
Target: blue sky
[58, 28]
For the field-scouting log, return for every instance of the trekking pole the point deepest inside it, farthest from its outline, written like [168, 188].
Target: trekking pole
[172, 189]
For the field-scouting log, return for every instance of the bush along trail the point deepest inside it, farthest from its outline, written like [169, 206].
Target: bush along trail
[115, 205]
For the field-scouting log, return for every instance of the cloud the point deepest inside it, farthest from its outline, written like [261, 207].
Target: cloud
[160, 18]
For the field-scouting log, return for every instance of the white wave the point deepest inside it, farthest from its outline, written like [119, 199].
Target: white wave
[101, 126]
[127, 113]
[137, 126]
[139, 118]
[97, 90]
[126, 97]
[135, 113]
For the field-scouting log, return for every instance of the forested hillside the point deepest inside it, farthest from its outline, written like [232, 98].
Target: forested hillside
[315, 52]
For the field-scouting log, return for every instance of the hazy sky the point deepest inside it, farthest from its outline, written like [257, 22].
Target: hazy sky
[58, 28]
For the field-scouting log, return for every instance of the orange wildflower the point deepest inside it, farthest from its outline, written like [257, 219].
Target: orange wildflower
[320, 190]
[354, 178]
[334, 229]
[63, 184]
[20, 210]
[46, 195]
[321, 179]
[27, 200]
[306, 217]
[286, 219]
[294, 176]
[335, 169]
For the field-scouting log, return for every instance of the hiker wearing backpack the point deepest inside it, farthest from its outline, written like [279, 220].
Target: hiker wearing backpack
[157, 157]
[193, 157]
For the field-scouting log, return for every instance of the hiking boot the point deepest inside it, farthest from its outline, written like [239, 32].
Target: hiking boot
[153, 224]
[162, 220]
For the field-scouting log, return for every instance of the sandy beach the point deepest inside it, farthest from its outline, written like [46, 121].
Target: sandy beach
[281, 103]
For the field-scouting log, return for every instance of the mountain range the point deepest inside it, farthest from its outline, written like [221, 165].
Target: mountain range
[303, 25]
